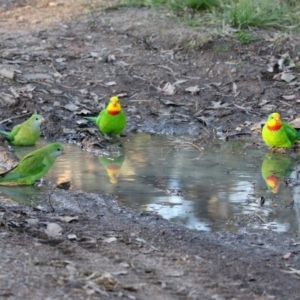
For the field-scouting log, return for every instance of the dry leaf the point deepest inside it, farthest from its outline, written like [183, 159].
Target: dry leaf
[7, 73]
[110, 83]
[218, 104]
[68, 130]
[46, 108]
[180, 81]
[84, 112]
[174, 273]
[234, 88]
[287, 255]
[171, 103]
[14, 92]
[7, 99]
[72, 236]
[122, 64]
[292, 271]
[71, 107]
[124, 265]
[94, 54]
[53, 230]
[193, 89]
[32, 221]
[168, 89]
[84, 92]
[121, 272]
[110, 58]
[257, 126]
[110, 240]
[55, 92]
[57, 75]
[289, 97]
[68, 219]
[60, 60]
[287, 77]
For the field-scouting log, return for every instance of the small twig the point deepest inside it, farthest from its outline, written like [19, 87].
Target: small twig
[43, 83]
[50, 193]
[261, 84]
[16, 117]
[189, 143]
[167, 68]
[240, 107]
[260, 217]
[168, 153]
[190, 77]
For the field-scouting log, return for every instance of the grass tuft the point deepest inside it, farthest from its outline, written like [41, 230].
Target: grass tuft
[241, 14]
[260, 13]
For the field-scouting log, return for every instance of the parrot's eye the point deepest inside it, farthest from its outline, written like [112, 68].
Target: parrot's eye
[37, 119]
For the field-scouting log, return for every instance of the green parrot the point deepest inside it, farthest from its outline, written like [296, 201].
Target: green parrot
[112, 119]
[278, 134]
[32, 166]
[274, 168]
[26, 133]
[113, 166]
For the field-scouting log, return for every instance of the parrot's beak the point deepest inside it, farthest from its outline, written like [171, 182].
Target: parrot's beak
[114, 104]
[43, 120]
[113, 180]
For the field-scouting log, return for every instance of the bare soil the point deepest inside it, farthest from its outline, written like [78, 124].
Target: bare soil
[64, 60]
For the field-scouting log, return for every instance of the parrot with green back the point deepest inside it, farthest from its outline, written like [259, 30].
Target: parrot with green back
[111, 120]
[274, 168]
[26, 133]
[279, 134]
[32, 166]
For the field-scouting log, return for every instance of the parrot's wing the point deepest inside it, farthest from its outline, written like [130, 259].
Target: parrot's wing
[15, 131]
[291, 132]
[32, 164]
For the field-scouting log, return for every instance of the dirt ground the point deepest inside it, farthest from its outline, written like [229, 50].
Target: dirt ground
[64, 60]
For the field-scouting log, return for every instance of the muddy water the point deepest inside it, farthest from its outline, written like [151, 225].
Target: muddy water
[211, 187]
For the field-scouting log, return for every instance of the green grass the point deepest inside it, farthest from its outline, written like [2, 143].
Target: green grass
[243, 37]
[260, 13]
[196, 5]
[239, 14]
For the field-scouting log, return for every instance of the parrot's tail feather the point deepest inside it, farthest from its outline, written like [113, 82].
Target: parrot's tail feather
[10, 177]
[298, 134]
[4, 133]
[94, 119]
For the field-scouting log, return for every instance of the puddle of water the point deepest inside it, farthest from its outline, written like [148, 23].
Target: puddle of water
[201, 190]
